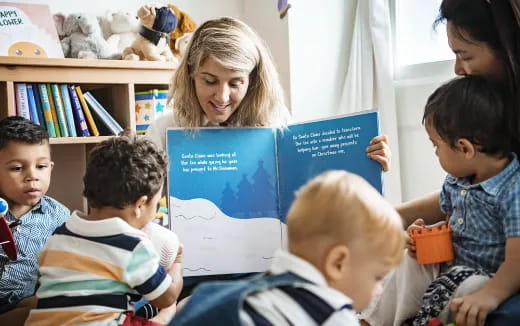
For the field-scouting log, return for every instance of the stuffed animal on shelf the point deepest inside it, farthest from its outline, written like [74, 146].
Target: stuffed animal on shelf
[184, 25]
[151, 44]
[119, 29]
[81, 37]
[181, 44]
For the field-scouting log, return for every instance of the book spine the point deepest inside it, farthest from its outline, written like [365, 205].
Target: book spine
[68, 110]
[46, 108]
[22, 104]
[39, 110]
[32, 104]
[53, 111]
[60, 112]
[103, 116]
[111, 119]
[87, 112]
[78, 112]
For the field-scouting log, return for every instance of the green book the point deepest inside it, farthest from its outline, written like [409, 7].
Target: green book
[46, 108]
[60, 111]
[53, 110]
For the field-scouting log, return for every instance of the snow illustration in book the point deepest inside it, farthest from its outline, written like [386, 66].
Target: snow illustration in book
[223, 244]
[28, 30]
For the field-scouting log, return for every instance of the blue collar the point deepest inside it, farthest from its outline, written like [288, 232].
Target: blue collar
[492, 185]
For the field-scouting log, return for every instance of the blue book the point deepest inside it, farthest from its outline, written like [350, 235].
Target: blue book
[22, 102]
[39, 110]
[254, 174]
[67, 107]
[105, 117]
[32, 104]
[77, 111]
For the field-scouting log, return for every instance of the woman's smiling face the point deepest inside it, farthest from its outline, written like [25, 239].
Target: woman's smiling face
[220, 90]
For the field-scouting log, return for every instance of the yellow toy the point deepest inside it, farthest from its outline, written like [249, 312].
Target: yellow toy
[184, 25]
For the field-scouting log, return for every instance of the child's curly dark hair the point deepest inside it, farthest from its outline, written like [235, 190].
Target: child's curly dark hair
[122, 169]
[21, 130]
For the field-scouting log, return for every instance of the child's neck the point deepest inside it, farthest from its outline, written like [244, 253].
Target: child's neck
[19, 210]
[104, 213]
[487, 167]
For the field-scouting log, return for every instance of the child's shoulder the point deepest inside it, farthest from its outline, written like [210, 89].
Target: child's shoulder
[509, 184]
[55, 209]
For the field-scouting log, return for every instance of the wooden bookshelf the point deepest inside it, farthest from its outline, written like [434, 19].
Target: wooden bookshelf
[113, 82]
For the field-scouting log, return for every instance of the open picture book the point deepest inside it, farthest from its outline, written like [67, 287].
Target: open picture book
[230, 188]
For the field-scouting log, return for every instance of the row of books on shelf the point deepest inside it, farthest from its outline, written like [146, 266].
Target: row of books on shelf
[64, 110]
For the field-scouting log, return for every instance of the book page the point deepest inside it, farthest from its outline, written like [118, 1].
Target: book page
[223, 201]
[307, 149]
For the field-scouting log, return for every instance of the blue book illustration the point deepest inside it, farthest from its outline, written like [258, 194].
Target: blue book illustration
[230, 188]
[32, 104]
[39, 109]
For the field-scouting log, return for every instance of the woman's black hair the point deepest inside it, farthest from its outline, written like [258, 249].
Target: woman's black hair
[496, 23]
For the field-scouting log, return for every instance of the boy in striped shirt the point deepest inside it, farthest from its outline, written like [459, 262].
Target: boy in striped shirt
[25, 173]
[96, 264]
[343, 239]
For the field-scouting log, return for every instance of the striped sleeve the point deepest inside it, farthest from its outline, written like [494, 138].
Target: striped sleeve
[144, 274]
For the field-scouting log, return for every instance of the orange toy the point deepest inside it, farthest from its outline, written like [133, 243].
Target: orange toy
[433, 245]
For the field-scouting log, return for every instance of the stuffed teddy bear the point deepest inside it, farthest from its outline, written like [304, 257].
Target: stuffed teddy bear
[157, 21]
[81, 37]
[184, 25]
[119, 29]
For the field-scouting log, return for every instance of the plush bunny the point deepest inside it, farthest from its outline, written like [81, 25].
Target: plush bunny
[81, 37]
[119, 29]
[157, 21]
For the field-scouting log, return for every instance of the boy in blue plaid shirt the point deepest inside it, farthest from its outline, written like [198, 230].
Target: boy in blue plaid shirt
[466, 122]
[25, 173]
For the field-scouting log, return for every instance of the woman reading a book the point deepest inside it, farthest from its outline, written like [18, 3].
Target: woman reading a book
[227, 78]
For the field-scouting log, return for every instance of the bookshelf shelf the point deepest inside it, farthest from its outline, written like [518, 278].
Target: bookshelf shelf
[113, 82]
[78, 140]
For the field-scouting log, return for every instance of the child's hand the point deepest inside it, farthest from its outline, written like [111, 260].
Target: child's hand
[472, 310]
[178, 258]
[379, 151]
[418, 224]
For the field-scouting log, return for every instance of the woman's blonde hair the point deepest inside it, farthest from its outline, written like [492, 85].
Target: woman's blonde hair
[338, 207]
[235, 46]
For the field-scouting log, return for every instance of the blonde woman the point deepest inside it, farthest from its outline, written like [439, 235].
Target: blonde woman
[228, 78]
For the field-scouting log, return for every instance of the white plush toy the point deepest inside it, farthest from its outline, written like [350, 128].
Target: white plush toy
[181, 44]
[82, 37]
[119, 29]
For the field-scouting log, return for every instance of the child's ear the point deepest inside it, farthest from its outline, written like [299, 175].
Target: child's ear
[139, 204]
[336, 262]
[466, 147]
